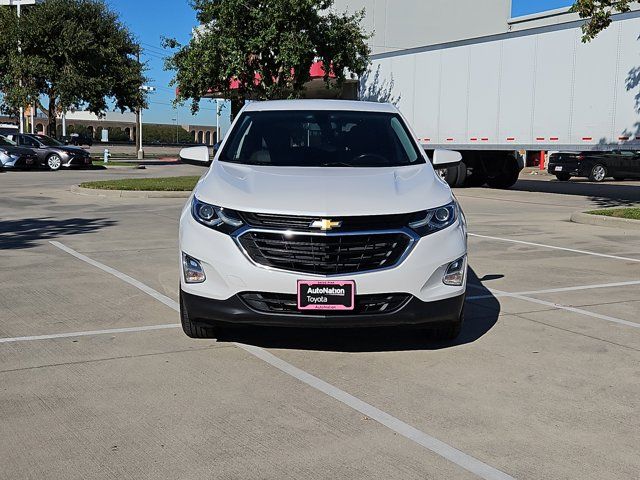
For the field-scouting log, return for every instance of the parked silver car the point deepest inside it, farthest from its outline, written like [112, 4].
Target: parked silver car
[12, 156]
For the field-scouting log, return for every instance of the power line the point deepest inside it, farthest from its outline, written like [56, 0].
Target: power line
[153, 47]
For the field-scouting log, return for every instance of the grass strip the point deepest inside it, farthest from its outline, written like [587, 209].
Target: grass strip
[162, 184]
[632, 213]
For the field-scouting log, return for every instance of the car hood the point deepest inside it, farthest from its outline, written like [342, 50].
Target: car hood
[323, 190]
[71, 150]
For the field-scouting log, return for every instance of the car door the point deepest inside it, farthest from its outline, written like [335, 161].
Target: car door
[613, 162]
[634, 165]
[29, 142]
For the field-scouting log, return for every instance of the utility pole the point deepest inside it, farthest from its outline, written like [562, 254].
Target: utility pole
[217, 122]
[146, 89]
[18, 4]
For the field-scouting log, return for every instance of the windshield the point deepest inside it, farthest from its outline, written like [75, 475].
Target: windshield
[5, 142]
[321, 139]
[48, 141]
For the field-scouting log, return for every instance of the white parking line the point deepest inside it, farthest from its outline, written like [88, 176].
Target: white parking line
[438, 447]
[562, 307]
[495, 294]
[88, 333]
[585, 252]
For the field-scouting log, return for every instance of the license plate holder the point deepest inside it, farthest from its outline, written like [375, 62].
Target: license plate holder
[326, 295]
[558, 168]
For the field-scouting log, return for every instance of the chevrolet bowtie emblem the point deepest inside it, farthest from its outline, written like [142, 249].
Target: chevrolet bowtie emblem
[326, 224]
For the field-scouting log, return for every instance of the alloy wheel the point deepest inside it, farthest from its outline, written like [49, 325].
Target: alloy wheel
[54, 162]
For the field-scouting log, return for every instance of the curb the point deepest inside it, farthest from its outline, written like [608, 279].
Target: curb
[94, 192]
[602, 221]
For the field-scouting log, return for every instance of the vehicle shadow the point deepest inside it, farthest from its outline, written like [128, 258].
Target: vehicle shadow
[606, 194]
[480, 318]
[29, 232]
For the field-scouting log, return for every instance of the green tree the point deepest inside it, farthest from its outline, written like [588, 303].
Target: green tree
[76, 53]
[267, 47]
[598, 14]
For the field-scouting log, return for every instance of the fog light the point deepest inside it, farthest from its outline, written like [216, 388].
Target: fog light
[193, 271]
[454, 275]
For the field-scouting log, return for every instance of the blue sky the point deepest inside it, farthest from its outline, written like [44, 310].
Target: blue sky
[525, 7]
[150, 20]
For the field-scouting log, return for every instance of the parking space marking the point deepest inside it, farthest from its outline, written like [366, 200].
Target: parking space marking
[463, 460]
[122, 276]
[495, 294]
[553, 247]
[562, 307]
[88, 333]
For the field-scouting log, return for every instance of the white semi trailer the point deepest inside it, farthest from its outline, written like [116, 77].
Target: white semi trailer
[539, 89]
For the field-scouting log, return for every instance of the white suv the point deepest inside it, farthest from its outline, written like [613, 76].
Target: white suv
[322, 214]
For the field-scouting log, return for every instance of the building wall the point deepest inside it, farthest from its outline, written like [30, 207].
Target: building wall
[402, 24]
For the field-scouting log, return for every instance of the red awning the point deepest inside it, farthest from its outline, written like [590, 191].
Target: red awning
[316, 71]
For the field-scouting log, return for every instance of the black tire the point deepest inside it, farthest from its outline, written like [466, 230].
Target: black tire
[446, 332]
[461, 176]
[563, 177]
[54, 162]
[451, 176]
[598, 173]
[477, 178]
[503, 180]
[191, 329]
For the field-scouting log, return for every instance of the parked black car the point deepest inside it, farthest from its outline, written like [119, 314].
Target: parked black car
[51, 153]
[596, 166]
[77, 139]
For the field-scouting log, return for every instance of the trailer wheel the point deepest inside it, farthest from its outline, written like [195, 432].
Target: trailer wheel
[504, 180]
[450, 176]
[461, 176]
[476, 179]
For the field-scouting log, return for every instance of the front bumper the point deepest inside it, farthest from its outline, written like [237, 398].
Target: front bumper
[77, 162]
[230, 272]
[233, 310]
[22, 162]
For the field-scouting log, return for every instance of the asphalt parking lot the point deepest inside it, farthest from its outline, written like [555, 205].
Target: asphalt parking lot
[97, 381]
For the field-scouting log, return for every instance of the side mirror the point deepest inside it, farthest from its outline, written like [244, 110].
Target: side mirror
[446, 158]
[195, 155]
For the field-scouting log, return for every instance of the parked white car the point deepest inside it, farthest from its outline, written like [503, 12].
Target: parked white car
[322, 214]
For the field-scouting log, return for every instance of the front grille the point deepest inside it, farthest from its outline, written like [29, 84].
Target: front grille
[325, 254]
[302, 223]
[288, 304]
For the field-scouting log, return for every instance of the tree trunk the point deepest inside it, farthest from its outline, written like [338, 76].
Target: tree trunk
[236, 106]
[53, 126]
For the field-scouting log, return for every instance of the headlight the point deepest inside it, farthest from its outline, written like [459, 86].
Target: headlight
[218, 218]
[434, 220]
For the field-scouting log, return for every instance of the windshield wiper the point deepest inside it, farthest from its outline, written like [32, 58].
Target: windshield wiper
[336, 164]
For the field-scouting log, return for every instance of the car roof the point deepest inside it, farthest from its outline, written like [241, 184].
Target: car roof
[333, 105]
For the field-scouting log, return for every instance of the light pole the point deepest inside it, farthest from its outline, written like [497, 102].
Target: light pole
[147, 89]
[176, 120]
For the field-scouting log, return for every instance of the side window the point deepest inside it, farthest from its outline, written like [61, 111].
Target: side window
[29, 142]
